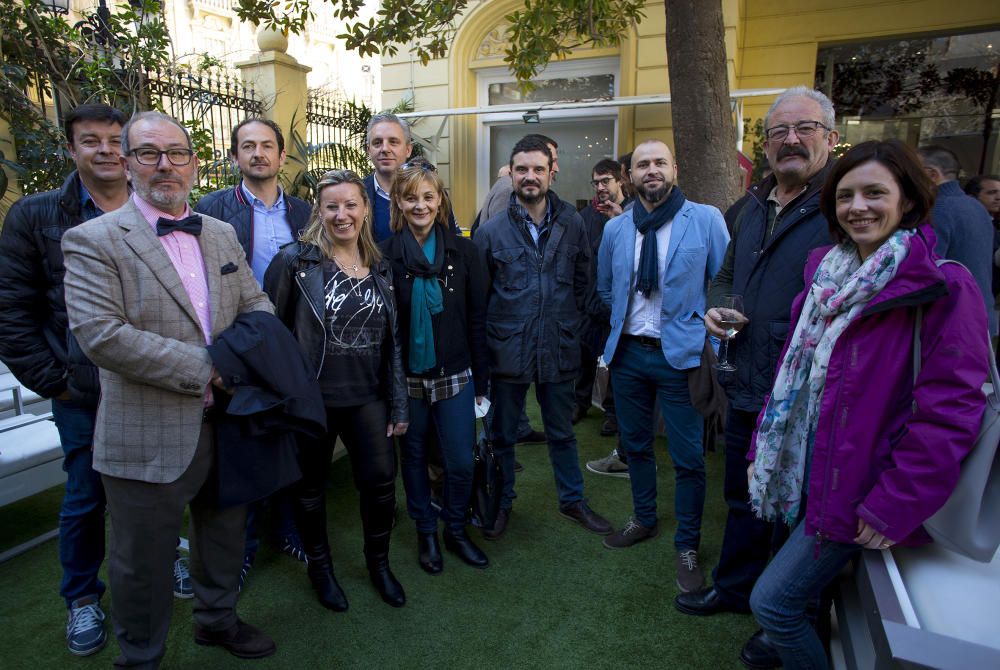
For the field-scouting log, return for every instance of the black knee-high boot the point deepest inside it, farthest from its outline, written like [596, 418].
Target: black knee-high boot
[377, 506]
[310, 516]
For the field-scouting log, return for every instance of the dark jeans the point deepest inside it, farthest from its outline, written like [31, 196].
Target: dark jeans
[453, 420]
[556, 402]
[81, 518]
[789, 588]
[373, 465]
[585, 383]
[642, 376]
[748, 542]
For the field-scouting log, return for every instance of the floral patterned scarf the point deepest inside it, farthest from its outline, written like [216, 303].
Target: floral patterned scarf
[841, 288]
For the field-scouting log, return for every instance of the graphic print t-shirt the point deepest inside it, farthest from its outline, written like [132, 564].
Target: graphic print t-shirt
[355, 322]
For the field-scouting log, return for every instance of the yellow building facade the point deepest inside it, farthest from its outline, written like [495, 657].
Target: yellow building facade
[768, 43]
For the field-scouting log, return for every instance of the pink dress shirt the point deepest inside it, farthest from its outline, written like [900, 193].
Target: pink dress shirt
[185, 254]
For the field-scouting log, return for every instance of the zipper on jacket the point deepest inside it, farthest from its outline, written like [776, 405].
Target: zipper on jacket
[322, 358]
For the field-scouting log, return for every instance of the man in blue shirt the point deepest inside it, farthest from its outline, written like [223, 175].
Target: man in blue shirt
[263, 215]
[35, 345]
[265, 218]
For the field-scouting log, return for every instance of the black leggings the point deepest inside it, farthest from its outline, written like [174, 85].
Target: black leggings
[373, 464]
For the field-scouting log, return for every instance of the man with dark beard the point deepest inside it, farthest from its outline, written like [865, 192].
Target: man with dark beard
[653, 269]
[539, 263]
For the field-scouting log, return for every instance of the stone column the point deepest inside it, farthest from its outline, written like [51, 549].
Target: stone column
[279, 81]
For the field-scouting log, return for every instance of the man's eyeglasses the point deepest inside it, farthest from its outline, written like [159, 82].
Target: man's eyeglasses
[803, 129]
[425, 165]
[603, 181]
[149, 156]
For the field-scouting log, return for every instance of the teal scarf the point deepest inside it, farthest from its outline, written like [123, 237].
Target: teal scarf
[425, 299]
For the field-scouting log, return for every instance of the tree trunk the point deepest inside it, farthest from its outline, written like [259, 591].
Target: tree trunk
[704, 135]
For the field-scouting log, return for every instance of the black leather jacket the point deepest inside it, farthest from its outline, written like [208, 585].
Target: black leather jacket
[33, 324]
[294, 282]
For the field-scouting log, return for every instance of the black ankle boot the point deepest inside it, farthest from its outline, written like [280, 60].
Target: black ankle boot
[460, 543]
[384, 581]
[326, 587]
[429, 553]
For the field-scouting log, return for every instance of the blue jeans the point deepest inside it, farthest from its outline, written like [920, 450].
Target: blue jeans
[556, 400]
[454, 420]
[789, 587]
[81, 518]
[640, 376]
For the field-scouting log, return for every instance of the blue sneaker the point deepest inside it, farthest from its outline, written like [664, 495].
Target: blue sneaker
[182, 579]
[85, 634]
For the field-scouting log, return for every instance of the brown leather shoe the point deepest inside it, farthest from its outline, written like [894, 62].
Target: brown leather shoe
[581, 513]
[241, 640]
[499, 526]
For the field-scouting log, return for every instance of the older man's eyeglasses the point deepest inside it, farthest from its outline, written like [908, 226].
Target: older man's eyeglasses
[150, 156]
[603, 181]
[803, 129]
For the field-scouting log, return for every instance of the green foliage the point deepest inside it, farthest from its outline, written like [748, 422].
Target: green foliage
[542, 30]
[753, 132]
[547, 29]
[47, 65]
[213, 174]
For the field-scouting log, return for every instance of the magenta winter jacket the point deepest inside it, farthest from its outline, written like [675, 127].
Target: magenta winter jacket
[874, 457]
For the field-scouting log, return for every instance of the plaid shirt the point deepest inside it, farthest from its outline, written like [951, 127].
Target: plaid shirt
[433, 389]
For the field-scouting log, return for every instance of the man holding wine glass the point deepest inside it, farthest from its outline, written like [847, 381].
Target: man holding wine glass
[773, 233]
[653, 268]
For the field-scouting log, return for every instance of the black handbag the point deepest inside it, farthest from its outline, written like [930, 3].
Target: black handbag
[487, 483]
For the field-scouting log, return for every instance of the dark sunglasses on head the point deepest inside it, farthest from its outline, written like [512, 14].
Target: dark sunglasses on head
[427, 166]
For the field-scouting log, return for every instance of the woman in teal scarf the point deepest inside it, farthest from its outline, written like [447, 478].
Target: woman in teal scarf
[440, 284]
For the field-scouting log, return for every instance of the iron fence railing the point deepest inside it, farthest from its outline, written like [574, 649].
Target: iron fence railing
[213, 100]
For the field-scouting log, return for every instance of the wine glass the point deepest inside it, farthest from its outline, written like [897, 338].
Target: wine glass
[730, 310]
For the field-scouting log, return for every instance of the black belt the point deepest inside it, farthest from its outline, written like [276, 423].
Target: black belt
[643, 341]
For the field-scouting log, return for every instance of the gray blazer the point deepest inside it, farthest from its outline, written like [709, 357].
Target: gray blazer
[132, 317]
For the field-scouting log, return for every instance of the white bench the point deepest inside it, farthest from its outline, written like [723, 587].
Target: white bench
[14, 396]
[30, 456]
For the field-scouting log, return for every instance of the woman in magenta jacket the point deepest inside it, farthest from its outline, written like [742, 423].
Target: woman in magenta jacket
[850, 451]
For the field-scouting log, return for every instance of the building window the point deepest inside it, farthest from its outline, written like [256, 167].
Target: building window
[585, 136]
[937, 89]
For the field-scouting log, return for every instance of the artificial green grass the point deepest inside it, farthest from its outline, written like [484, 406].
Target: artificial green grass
[552, 597]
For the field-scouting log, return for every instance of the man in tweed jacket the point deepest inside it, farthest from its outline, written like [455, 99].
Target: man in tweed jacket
[147, 287]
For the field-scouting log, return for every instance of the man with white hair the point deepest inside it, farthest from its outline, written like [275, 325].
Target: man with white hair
[775, 230]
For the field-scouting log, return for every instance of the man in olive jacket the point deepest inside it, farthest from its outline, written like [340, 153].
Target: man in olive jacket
[538, 257]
